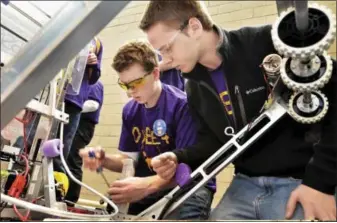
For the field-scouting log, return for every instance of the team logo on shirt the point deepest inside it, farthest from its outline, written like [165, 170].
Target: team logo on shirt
[159, 127]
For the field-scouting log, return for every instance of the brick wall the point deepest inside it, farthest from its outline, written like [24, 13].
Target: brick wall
[227, 14]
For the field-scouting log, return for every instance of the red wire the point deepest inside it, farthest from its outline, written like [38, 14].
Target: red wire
[24, 121]
[27, 165]
[24, 218]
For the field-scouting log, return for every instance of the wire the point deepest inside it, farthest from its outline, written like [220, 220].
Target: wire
[26, 166]
[26, 217]
[27, 117]
[23, 218]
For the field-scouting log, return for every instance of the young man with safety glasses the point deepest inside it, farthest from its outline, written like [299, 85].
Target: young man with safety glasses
[287, 173]
[156, 120]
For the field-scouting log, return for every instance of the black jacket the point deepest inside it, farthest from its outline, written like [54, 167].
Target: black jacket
[286, 150]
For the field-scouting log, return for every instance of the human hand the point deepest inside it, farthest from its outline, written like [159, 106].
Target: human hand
[316, 205]
[165, 165]
[92, 59]
[129, 190]
[92, 163]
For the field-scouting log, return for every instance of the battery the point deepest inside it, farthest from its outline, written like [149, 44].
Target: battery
[7, 179]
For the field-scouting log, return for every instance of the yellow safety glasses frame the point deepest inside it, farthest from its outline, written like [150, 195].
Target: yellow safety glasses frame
[133, 84]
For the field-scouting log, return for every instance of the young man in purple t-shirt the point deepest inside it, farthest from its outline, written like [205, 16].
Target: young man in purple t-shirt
[156, 120]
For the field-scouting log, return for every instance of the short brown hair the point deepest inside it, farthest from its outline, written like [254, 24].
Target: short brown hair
[134, 52]
[174, 13]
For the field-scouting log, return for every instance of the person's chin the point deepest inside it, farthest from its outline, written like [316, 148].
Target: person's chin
[139, 100]
[185, 68]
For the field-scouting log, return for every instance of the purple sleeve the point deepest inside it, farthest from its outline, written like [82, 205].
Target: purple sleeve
[126, 141]
[96, 93]
[96, 68]
[186, 130]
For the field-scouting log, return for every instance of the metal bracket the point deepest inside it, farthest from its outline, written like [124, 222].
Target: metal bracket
[43, 109]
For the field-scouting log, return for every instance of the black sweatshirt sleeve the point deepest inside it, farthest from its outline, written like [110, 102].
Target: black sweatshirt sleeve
[207, 143]
[321, 171]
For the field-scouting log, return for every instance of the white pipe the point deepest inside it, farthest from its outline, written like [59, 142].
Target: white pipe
[106, 199]
[51, 211]
[86, 186]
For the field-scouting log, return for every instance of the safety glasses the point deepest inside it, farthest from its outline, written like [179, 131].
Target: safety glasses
[166, 50]
[133, 84]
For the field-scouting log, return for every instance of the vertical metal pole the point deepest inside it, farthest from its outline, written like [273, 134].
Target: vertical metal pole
[301, 15]
[48, 169]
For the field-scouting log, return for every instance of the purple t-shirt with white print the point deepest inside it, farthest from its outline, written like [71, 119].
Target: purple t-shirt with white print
[96, 93]
[95, 70]
[162, 128]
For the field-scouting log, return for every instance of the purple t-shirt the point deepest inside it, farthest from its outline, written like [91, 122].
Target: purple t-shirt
[162, 128]
[95, 70]
[219, 81]
[96, 92]
[172, 77]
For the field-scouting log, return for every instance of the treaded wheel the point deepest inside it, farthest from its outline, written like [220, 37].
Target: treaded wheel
[311, 83]
[308, 118]
[290, 42]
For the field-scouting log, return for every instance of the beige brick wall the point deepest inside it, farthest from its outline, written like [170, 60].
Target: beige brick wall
[227, 14]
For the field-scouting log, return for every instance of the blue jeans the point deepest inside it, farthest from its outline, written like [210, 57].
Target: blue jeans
[68, 135]
[257, 198]
[196, 207]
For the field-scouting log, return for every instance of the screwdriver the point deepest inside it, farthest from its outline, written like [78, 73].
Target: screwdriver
[100, 169]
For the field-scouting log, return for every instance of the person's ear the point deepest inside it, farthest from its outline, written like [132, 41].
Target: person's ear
[195, 28]
[156, 73]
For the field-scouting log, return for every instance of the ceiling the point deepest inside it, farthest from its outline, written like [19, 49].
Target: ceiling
[21, 20]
